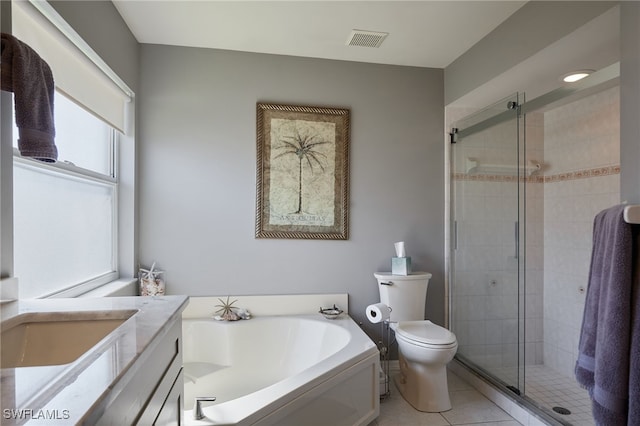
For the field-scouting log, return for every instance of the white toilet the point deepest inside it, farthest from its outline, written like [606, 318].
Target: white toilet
[424, 348]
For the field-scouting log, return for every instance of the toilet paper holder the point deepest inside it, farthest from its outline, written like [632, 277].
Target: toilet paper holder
[384, 345]
[378, 312]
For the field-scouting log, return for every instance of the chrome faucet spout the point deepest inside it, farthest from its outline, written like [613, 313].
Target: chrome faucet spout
[197, 408]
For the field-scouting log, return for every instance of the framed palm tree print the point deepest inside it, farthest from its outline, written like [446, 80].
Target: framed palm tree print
[302, 172]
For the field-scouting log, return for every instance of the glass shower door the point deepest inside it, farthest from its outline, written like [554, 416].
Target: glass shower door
[487, 241]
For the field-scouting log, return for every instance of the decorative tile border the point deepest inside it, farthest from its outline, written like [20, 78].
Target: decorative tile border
[583, 174]
[559, 177]
[490, 178]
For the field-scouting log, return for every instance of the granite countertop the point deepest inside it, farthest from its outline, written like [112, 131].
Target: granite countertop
[65, 394]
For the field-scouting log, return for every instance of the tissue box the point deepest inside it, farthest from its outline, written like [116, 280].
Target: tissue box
[401, 266]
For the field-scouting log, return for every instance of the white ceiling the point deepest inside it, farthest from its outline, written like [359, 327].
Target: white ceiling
[421, 33]
[428, 34]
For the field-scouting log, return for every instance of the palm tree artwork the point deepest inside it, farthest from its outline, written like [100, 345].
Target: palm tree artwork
[305, 150]
[302, 173]
[305, 147]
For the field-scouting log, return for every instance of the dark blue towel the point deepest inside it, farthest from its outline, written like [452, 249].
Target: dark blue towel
[609, 338]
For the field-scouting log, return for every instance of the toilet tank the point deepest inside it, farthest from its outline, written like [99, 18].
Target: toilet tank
[405, 294]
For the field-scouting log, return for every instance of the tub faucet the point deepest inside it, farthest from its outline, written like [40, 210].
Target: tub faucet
[197, 408]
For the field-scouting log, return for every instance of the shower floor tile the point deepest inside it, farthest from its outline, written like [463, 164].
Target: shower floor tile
[549, 389]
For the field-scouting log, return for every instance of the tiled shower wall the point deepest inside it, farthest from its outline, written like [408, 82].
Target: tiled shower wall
[582, 177]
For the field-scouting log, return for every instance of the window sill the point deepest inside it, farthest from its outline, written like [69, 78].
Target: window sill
[122, 287]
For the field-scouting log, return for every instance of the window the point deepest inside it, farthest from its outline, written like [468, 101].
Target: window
[73, 220]
[65, 227]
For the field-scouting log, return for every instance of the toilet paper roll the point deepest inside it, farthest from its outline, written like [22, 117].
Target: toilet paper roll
[378, 312]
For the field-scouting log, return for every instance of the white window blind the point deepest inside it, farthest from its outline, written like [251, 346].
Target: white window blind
[73, 73]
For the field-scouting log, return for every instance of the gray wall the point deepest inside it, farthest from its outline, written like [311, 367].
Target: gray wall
[630, 102]
[6, 173]
[197, 170]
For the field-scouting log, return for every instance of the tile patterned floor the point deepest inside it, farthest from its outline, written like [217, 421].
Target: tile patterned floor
[469, 407]
[550, 389]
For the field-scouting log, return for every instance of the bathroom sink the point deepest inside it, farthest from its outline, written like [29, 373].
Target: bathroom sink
[39, 339]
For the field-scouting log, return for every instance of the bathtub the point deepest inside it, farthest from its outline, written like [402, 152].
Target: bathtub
[280, 370]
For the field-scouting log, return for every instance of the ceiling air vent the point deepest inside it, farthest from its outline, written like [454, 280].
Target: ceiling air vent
[366, 38]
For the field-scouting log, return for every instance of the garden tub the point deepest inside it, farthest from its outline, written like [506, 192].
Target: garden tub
[280, 370]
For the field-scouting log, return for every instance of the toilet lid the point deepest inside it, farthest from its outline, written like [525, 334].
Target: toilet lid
[425, 332]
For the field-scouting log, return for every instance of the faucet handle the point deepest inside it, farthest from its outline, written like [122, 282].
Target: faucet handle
[197, 408]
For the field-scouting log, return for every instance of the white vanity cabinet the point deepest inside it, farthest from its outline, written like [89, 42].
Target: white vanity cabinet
[151, 392]
[132, 376]
[166, 405]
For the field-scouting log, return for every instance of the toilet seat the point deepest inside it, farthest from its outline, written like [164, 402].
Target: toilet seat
[426, 334]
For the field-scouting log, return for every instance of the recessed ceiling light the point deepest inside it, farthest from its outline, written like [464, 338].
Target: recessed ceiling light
[576, 76]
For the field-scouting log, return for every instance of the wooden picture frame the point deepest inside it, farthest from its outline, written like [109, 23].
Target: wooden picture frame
[302, 182]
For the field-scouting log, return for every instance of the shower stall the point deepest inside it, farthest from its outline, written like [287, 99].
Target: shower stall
[526, 180]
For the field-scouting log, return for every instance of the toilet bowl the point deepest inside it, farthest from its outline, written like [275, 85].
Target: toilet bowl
[424, 348]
